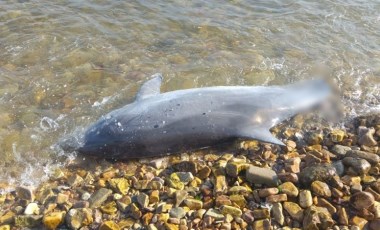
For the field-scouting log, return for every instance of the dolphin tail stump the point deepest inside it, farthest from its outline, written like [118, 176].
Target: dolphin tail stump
[162, 123]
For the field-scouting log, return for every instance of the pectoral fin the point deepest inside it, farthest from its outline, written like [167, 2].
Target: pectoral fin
[150, 88]
[260, 134]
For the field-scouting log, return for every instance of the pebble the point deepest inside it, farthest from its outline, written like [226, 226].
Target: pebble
[294, 210]
[342, 216]
[305, 199]
[248, 216]
[320, 188]
[109, 208]
[221, 186]
[77, 218]
[316, 218]
[177, 212]
[186, 166]
[370, 157]
[234, 168]
[135, 211]
[289, 189]
[268, 191]
[85, 196]
[222, 200]
[288, 177]
[25, 193]
[322, 172]
[337, 135]
[193, 204]
[374, 224]
[204, 172]
[321, 202]
[359, 166]
[7, 217]
[62, 198]
[27, 221]
[358, 221]
[366, 136]
[293, 165]
[238, 190]
[98, 198]
[154, 185]
[119, 185]
[185, 177]
[261, 213]
[261, 224]
[266, 176]
[143, 200]
[109, 225]
[340, 150]
[53, 220]
[214, 213]
[277, 198]
[233, 211]
[175, 182]
[362, 200]
[277, 213]
[32, 209]
[239, 200]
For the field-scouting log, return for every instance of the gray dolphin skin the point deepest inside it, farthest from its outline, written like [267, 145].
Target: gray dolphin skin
[158, 124]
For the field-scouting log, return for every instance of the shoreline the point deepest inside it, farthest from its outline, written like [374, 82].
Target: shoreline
[323, 179]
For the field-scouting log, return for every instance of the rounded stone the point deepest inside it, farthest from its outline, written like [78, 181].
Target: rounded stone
[362, 200]
[320, 188]
[289, 189]
[226, 209]
[359, 166]
[305, 199]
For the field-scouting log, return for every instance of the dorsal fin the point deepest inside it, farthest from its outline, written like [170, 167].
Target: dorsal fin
[260, 134]
[150, 88]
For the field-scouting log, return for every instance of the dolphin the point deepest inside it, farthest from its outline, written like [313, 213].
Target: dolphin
[157, 124]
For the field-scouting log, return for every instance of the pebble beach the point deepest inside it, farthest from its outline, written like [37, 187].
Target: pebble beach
[322, 179]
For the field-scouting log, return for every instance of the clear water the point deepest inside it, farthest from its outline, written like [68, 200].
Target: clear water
[65, 63]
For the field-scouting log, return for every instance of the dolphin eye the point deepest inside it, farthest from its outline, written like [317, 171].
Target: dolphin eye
[156, 126]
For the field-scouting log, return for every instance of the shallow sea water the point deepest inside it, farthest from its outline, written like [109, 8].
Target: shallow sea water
[65, 63]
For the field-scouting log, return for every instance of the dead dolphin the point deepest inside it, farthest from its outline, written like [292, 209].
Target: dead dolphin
[162, 123]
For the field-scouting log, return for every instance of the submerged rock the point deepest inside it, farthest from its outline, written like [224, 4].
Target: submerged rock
[77, 218]
[99, 197]
[366, 136]
[25, 193]
[53, 220]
